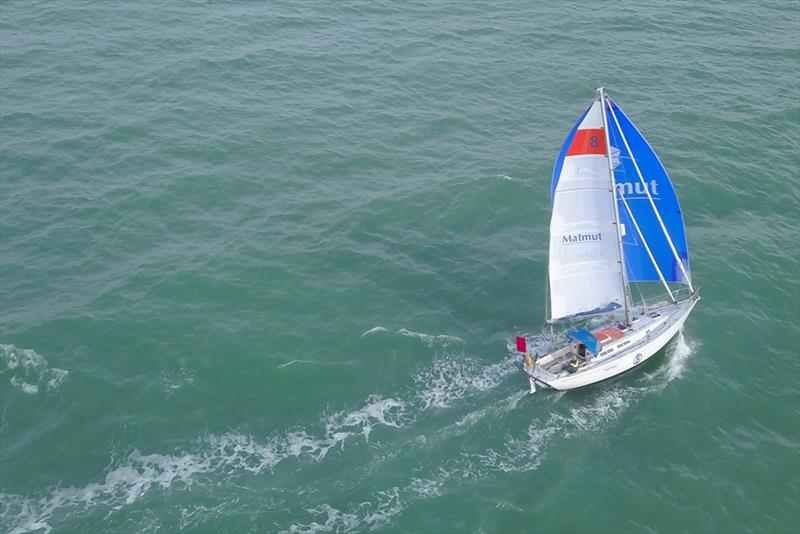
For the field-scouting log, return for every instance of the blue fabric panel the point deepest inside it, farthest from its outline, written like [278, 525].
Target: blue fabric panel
[639, 268]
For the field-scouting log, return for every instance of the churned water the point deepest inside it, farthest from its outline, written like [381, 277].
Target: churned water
[261, 263]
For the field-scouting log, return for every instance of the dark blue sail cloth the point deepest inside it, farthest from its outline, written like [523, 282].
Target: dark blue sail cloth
[639, 267]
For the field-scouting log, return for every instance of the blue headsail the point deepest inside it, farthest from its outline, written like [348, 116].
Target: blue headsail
[639, 267]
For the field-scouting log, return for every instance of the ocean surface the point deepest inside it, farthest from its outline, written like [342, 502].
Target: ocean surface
[262, 265]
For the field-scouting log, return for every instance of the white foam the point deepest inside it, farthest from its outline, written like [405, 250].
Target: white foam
[127, 481]
[521, 454]
[366, 515]
[426, 487]
[604, 409]
[30, 389]
[28, 371]
[233, 451]
[174, 381]
[194, 514]
[431, 340]
[373, 331]
[335, 520]
[447, 380]
[678, 356]
[452, 377]
[124, 484]
[377, 411]
[287, 364]
[24, 513]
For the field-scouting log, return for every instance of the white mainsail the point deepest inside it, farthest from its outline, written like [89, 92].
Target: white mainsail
[585, 265]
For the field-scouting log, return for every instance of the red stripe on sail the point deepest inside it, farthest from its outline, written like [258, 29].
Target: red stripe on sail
[588, 141]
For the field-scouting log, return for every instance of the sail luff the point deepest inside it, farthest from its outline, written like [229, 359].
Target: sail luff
[613, 192]
[650, 199]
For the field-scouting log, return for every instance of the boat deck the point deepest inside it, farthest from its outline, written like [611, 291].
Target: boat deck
[615, 339]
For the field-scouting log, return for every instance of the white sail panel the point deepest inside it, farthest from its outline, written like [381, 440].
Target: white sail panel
[584, 270]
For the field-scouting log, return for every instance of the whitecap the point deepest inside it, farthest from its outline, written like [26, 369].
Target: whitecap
[28, 371]
[373, 330]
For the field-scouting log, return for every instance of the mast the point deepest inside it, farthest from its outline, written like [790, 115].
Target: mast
[623, 276]
[547, 292]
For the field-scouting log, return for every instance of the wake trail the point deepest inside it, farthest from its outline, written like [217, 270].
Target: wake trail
[519, 452]
[131, 478]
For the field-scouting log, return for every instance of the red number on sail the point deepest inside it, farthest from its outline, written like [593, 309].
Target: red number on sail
[588, 141]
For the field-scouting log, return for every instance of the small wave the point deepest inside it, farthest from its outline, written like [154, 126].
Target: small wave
[442, 339]
[28, 371]
[512, 179]
[175, 380]
[373, 330]
[287, 364]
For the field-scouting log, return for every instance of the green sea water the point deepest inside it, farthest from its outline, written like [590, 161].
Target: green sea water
[262, 263]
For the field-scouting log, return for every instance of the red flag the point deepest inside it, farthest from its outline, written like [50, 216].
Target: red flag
[522, 346]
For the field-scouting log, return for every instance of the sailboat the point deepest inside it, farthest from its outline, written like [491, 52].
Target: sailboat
[615, 222]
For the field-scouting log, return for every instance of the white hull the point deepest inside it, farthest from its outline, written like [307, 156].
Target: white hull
[645, 337]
